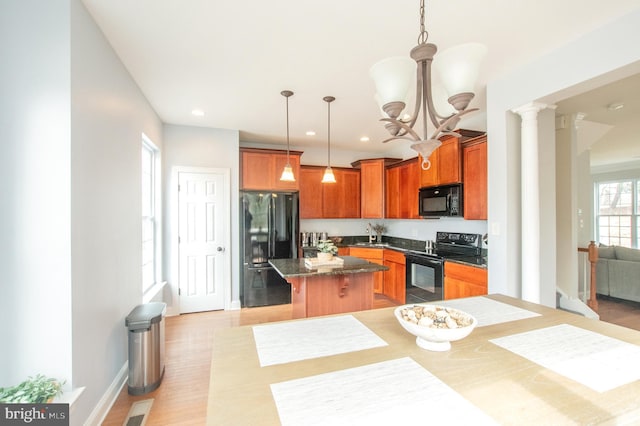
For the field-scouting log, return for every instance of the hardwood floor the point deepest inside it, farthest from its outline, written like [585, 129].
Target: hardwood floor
[182, 397]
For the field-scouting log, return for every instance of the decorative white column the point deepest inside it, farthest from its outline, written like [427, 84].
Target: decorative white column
[530, 200]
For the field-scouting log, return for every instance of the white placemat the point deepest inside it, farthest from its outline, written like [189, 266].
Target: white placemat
[599, 362]
[488, 311]
[312, 338]
[392, 392]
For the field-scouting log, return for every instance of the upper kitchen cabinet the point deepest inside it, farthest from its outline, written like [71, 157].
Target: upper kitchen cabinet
[402, 186]
[329, 200]
[446, 161]
[342, 199]
[261, 169]
[311, 192]
[372, 186]
[474, 154]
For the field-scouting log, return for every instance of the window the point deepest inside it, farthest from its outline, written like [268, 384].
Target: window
[149, 216]
[617, 207]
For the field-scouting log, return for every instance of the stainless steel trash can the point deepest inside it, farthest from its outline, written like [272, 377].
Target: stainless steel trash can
[145, 325]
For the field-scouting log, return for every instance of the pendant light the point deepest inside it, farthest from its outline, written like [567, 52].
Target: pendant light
[328, 173]
[287, 172]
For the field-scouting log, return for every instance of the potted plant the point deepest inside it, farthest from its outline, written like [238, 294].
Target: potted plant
[326, 250]
[379, 228]
[35, 390]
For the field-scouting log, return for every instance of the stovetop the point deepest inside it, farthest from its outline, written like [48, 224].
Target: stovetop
[454, 246]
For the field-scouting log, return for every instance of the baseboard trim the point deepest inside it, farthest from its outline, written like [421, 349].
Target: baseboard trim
[101, 410]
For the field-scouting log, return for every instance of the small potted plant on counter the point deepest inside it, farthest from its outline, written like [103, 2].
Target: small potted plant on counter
[379, 228]
[326, 250]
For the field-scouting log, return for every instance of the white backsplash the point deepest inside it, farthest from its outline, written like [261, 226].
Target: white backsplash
[415, 229]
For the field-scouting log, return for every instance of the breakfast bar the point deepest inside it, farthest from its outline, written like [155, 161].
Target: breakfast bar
[331, 288]
[523, 364]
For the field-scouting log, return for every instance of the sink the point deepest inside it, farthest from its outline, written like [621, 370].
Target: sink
[365, 244]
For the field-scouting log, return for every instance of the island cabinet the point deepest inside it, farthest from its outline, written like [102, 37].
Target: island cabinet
[261, 169]
[394, 285]
[401, 195]
[373, 255]
[338, 200]
[372, 186]
[474, 161]
[464, 280]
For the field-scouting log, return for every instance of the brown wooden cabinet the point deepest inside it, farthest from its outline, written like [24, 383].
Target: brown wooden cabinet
[446, 161]
[373, 255]
[394, 285]
[474, 153]
[261, 169]
[329, 200]
[373, 186]
[311, 192]
[464, 280]
[445, 164]
[403, 184]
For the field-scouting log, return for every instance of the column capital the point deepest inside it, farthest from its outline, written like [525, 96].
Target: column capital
[531, 108]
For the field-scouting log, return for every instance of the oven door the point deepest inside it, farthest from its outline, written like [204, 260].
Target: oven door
[424, 278]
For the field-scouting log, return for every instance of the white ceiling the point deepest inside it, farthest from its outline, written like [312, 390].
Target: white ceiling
[233, 58]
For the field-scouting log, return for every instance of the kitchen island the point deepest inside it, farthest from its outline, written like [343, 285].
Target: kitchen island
[523, 364]
[328, 289]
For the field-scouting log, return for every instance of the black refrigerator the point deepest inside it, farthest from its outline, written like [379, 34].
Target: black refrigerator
[268, 230]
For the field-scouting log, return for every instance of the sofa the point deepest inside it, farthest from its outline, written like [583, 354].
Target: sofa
[618, 272]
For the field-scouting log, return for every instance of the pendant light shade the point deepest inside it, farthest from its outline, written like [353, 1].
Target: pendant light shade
[328, 173]
[287, 172]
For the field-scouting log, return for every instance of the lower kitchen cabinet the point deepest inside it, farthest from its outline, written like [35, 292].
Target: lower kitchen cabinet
[464, 280]
[372, 255]
[394, 285]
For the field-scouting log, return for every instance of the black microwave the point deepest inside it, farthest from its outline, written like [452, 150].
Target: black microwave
[440, 201]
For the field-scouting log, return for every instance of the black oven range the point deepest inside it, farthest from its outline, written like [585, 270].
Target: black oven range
[425, 269]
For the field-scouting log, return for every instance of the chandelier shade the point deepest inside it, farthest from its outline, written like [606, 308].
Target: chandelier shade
[458, 67]
[393, 78]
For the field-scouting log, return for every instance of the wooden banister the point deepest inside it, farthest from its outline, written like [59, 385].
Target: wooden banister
[592, 251]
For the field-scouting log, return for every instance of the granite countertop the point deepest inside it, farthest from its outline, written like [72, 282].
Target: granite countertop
[406, 245]
[352, 265]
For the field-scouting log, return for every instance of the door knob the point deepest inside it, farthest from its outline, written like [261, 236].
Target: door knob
[220, 249]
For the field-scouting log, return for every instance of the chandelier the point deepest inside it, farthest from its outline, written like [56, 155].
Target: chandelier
[392, 76]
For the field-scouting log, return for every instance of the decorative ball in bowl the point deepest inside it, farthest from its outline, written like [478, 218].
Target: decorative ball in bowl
[435, 326]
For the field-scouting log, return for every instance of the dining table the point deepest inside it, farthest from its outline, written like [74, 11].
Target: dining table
[523, 364]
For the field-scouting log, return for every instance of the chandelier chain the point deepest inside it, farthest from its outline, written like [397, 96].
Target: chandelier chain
[424, 35]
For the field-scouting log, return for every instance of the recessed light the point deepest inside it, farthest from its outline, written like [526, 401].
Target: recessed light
[615, 106]
[364, 139]
[310, 133]
[197, 112]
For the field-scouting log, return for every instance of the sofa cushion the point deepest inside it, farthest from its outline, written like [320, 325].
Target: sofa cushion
[606, 252]
[624, 279]
[626, 253]
[602, 277]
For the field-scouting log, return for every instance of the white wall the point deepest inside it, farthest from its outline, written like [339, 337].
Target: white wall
[199, 147]
[70, 168]
[35, 265]
[569, 70]
[109, 113]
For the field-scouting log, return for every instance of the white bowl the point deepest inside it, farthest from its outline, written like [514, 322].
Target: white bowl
[430, 337]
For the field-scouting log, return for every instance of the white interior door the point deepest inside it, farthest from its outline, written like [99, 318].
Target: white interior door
[203, 257]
